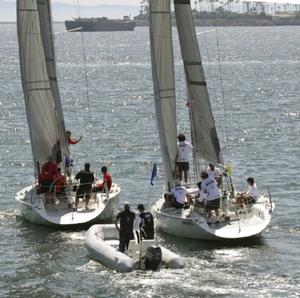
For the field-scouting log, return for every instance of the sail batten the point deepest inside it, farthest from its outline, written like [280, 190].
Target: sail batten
[44, 114]
[204, 134]
[164, 83]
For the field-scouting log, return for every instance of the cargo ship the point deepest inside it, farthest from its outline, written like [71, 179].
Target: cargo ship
[100, 24]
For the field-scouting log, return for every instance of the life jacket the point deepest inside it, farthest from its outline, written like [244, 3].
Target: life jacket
[147, 225]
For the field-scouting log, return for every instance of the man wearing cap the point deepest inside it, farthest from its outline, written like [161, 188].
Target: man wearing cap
[126, 219]
[146, 223]
[180, 193]
[209, 186]
[215, 172]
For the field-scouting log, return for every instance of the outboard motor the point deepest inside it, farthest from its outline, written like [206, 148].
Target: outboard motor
[152, 258]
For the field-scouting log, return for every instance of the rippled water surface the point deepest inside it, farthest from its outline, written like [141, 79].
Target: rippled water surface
[260, 72]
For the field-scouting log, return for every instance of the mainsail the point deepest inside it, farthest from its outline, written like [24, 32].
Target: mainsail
[45, 17]
[204, 134]
[164, 83]
[43, 108]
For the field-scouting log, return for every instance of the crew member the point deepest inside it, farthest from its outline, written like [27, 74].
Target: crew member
[146, 223]
[209, 186]
[126, 219]
[106, 181]
[180, 194]
[183, 150]
[84, 190]
[70, 140]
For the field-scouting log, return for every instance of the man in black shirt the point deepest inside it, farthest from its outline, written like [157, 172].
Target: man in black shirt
[146, 223]
[86, 178]
[126, 219]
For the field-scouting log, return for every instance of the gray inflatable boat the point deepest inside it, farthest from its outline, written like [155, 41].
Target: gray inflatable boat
[102, 242]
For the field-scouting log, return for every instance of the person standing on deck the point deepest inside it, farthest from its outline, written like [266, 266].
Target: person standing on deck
[70, 140]
[183, 150]
[84, 190]
[209, 186]
[126, 219]
[215, 172]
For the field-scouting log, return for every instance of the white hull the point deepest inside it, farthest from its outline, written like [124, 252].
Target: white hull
[187, 223]
[33, 209]
[101, 242]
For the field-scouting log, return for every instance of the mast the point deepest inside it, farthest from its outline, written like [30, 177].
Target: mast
[204, 134]
[164, 83]
[43, 111]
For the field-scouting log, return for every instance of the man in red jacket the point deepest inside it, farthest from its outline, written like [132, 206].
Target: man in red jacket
[46, 178]
[70, 140]
[106, 181]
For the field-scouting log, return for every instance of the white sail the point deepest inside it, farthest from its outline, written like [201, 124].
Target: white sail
[164, 83]
[45, 17]
[43, 115]
[204, 134]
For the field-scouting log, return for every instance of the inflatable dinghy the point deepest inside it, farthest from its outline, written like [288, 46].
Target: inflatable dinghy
[102, 243]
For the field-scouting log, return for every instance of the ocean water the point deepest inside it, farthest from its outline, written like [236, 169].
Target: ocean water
[258, 121]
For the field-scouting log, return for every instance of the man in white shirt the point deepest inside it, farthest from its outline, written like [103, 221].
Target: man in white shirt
[252, 189]
[184, 149]
[180, 194]
[250, 195]
[209, 186]
[215, 172]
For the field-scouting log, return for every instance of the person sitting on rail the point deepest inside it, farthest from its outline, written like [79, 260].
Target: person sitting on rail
[60, 183]
[250, 195]
[46, 178]
[106, 181]
[200, 198]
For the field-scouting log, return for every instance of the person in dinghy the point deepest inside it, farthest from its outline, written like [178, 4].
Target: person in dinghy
[126, 219]
[145, 223]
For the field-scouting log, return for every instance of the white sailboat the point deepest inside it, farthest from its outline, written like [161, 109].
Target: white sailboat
[233, 223]
[46, 122]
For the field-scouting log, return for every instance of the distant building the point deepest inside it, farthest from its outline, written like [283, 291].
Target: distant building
[249, 7]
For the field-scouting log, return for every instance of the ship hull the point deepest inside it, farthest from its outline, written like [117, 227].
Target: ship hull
[90, 26]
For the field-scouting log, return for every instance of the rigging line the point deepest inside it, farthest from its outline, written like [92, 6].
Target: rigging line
[86, 82]
[213, 83]
[223, 94]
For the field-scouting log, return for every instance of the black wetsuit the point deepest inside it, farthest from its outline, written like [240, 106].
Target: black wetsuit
[126, 218]
[147, 225]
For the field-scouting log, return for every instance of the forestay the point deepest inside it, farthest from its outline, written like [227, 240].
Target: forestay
[164, 83]
[204, 134]
[43, 108]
